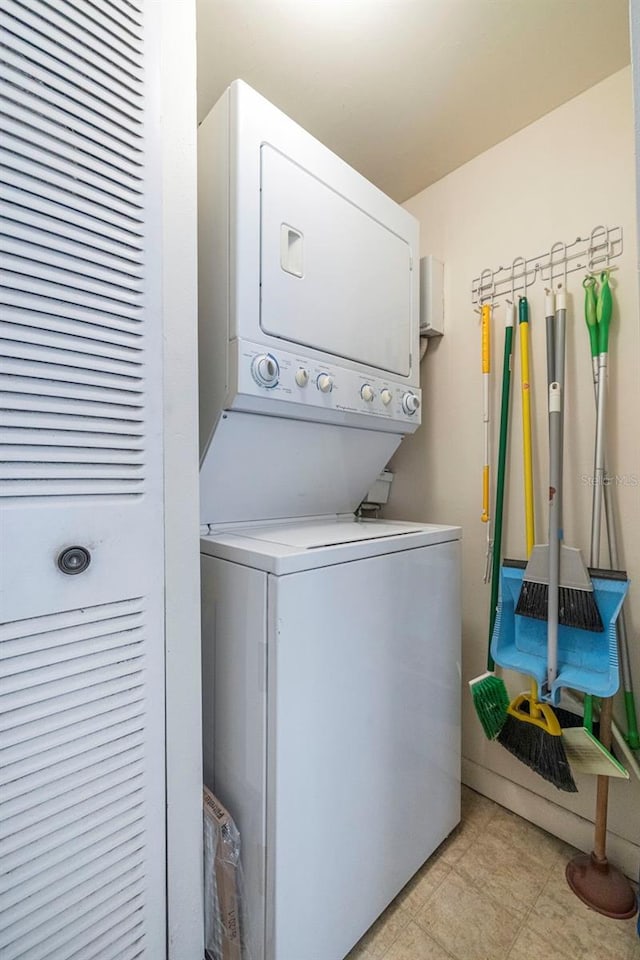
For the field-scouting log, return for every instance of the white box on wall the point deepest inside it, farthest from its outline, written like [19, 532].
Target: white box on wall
[431, 297]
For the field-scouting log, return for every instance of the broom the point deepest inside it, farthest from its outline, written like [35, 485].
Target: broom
[531, 731]
[576, 602]
[490, 696]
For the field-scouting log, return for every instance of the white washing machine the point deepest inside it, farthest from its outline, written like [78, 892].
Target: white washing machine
[331, 666]
[330, 646]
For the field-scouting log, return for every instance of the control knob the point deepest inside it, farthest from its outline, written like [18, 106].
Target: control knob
[302, 377]
[265, 370]
[366, 392]
[410, 403]
[325, 383]
[386, 397]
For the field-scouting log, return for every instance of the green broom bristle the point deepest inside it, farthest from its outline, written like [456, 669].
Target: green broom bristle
[491, 700]
[543, 752]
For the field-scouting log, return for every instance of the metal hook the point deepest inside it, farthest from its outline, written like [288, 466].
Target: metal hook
[558, 245]
[595, 260]
[481, 297]
[514, 276]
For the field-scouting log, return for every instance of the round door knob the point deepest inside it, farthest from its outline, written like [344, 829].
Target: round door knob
[410, 403]
[302, 377]
[265, 370]
[366, 392]
[74, 560]
[325, 383]
[386, 397]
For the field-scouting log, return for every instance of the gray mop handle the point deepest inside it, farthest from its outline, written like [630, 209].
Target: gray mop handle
[555, 534]
[614, 563]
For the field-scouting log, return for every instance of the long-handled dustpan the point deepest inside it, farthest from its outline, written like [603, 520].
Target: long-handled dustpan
[587, 660]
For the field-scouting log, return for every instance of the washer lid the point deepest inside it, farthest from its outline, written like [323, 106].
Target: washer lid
[293, 546]
[326, 533]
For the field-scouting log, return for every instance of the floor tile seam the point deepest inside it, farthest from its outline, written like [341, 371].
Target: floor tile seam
[427, 933]
[486, 893]
[437, 887]
[402, 927]
[434, 937]
[529, 854]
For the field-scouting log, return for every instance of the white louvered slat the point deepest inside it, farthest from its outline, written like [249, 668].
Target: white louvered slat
[83, 442]
[34, 825]
[48, 913]
[57, 243]
[43, 454]
[129, 946]
[45, 35]
[86, 24]
[58, 851]
[66, 383]
[25, 140]
[95, 122]
[34, 740]
[81, 765]
[48, 210]
[49, 323]
[119, 22]
[62, 356]
[64, 90]
[85, 872]
[45, 714]
[20, 886]
[64, 424]
[40, 298]
[103, 925]
[40, 942]
[41, 404]
[82, 868]
[124, 11]
[60, 167]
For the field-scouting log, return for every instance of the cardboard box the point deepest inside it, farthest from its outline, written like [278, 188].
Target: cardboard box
[225, 922]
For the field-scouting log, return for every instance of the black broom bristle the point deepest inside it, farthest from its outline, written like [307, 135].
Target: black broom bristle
[543, 752]
[576, 608]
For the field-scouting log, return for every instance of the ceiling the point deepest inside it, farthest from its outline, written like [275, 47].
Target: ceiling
[407, 90]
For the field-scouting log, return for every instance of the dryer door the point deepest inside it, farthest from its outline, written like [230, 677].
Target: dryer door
[333, 278]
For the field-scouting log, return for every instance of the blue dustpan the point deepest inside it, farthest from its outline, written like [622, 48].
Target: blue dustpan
[587, 661]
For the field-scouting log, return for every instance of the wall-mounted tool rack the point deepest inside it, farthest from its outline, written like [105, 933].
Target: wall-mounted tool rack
[589, 254]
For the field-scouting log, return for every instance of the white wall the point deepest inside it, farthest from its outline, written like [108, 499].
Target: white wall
[182, 541]
[554, 180]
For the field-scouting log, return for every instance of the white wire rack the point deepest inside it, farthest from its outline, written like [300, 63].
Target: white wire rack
[590, 254]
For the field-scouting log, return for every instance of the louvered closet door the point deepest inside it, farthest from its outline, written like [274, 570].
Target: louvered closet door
[82, 821]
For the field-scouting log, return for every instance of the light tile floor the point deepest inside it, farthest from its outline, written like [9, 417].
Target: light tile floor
[495, 890]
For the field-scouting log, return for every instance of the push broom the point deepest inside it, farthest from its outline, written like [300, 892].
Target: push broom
[576, 603]
[531, 731]
[490, 696]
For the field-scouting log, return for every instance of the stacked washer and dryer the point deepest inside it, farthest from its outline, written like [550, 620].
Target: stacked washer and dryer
[331, 646]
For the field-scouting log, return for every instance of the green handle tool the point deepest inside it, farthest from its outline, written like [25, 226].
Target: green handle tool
[502, 462]
[598, 319]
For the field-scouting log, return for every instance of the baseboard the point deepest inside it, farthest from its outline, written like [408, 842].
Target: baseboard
[550, 816]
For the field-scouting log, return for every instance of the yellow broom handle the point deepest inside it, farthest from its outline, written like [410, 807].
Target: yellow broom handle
[523, 310]
[486, 371]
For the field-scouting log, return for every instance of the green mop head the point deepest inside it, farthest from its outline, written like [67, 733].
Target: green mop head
[491, 701]
[531, 732]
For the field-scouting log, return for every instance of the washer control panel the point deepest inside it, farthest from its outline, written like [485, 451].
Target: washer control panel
[292, 378]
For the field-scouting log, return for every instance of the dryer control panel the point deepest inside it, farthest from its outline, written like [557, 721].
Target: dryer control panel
[309, 388]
